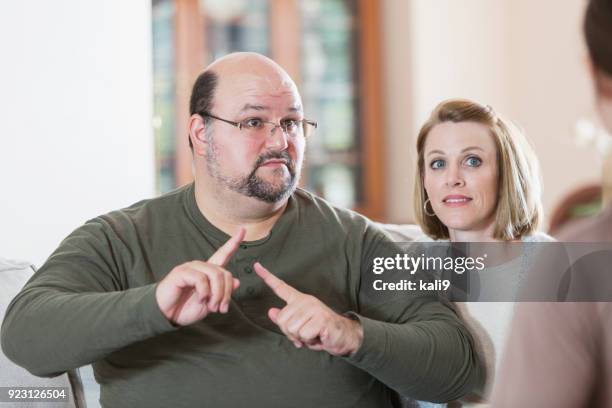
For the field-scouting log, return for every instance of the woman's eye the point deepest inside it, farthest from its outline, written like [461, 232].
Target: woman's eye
[473, 161]
[437, 164]
[253, 123]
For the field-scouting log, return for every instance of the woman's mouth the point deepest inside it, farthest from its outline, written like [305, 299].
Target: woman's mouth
[456, 200]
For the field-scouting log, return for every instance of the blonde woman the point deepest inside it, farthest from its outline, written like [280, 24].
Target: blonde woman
[477, 177]
[477, 181]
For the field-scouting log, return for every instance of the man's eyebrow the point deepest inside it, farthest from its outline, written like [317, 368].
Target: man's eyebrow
[248, 106]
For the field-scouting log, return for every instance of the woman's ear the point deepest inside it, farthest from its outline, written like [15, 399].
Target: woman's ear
[603, 83]
[588, 63]
[601, 80]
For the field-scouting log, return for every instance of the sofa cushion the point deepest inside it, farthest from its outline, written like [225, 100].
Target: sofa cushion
[13, 276]
[402, 232]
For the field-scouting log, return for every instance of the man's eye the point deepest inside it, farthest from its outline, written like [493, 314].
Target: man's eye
[290, 124]
[253, 123]
[437, 164]
[473, 161]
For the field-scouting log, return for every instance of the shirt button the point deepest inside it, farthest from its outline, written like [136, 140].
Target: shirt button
[250, 290]
[248, 269]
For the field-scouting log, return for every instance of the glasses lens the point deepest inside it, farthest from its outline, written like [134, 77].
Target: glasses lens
[308, 128]
[289, 128]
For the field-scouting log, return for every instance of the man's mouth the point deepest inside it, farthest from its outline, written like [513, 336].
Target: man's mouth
[274, 163]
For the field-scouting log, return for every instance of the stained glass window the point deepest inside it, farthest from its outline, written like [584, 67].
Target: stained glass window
[329, 78]
[245, 30]
[163, 93]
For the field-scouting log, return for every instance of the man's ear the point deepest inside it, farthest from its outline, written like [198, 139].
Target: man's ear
[197, 127]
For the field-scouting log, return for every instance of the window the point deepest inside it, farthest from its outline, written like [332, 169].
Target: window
[329, 47]
[164, 93]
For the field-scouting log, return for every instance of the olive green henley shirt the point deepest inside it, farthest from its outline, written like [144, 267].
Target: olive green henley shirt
[93, 301]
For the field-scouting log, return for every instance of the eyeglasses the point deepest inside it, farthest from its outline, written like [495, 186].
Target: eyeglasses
[256, 126]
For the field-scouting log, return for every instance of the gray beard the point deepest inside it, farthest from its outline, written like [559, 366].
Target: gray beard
[253, 185]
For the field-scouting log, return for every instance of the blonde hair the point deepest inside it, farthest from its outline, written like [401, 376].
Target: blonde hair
[518, 210]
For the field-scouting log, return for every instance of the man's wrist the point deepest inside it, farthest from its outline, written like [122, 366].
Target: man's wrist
[356, 333]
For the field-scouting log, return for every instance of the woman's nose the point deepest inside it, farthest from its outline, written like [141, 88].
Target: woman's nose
[454, 178]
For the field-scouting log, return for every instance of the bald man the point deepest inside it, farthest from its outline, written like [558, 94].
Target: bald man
[171, 302]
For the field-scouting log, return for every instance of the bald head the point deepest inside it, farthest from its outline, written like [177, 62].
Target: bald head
[249, 64]
[238, 71]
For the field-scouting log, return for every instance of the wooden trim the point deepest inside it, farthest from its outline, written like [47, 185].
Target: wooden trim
[606, 178]
[189, 59]
[285, 36]
[371, 109]
[562, 213]
[286, 44]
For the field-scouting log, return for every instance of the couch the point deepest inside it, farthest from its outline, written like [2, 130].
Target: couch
[13, 276]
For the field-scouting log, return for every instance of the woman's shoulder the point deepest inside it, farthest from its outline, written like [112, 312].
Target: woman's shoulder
[426, 238]
[538, 236]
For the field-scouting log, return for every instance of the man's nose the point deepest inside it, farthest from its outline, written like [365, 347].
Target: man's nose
[277, 139]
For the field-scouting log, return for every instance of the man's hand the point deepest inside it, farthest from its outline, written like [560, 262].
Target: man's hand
[194, 289]
[305, 320]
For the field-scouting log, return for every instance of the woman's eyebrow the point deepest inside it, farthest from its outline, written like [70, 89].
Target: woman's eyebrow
[472, 148]
[435, 152]
[462, 150]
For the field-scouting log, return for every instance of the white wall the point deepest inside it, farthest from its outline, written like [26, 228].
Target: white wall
[524, 58]
[458, 52]
[75, 117]
[551, 89]
[398, 113]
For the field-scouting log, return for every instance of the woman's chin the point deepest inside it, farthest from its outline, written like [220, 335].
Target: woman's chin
[474, 226]
[459, 223]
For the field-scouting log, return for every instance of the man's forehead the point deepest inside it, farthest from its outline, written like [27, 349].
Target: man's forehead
[272, 83]
[248, 91]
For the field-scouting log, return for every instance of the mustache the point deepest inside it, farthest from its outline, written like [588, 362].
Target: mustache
[282, 155]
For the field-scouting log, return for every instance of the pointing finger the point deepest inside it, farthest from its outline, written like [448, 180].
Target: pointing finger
[227, 295]
[278, 286]
[225, 252]
[273, 314]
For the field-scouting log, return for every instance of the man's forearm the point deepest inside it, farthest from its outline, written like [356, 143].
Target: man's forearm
[427, 360]
[48, 331]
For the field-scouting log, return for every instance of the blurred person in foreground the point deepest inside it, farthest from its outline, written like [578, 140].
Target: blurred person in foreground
[162, 296]
[477, 181]
[559, 355]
